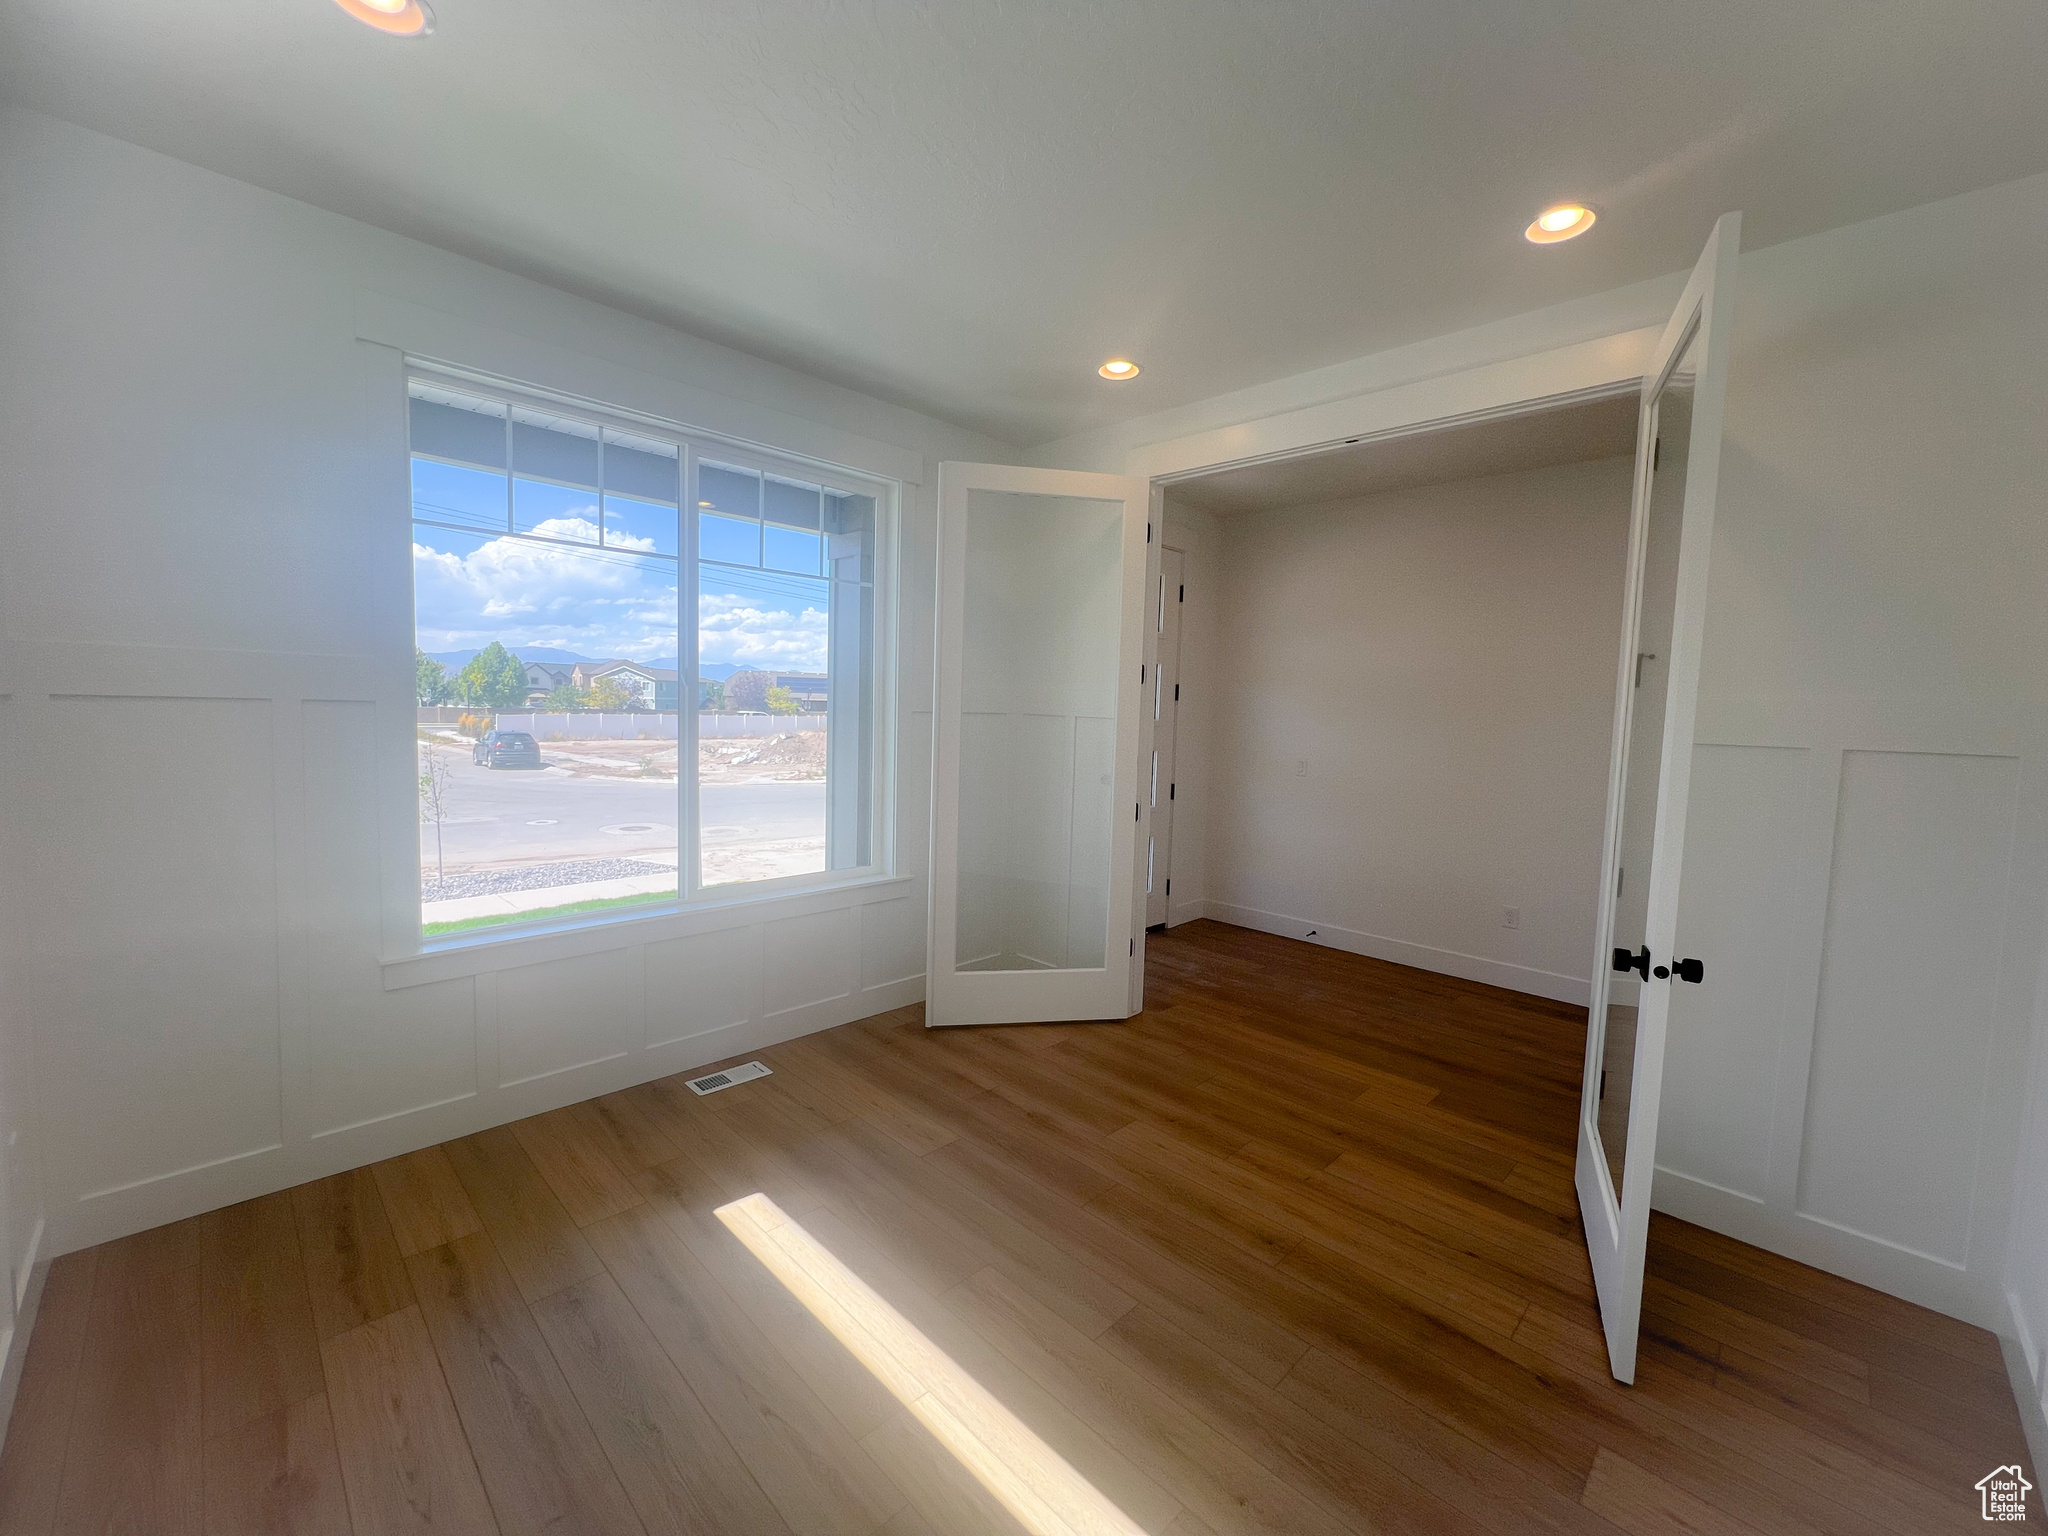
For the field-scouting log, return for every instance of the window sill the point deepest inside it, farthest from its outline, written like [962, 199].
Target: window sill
[473, 954]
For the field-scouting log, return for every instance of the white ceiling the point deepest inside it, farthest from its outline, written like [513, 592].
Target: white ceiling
[966, 206]
[1568, 434]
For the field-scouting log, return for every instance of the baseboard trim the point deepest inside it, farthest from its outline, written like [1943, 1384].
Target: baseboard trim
[1916, 1277]
[1424, 957]
[81, 1223]
[2026, 1363]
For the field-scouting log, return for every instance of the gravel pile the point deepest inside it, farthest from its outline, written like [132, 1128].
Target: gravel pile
[534, 877]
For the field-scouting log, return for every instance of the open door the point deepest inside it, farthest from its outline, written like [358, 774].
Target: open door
[1038, 731]
[1637, 961]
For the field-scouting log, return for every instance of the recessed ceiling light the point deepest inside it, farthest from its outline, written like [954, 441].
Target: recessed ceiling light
[394, 18]
[1118, 369]
[1560, 223]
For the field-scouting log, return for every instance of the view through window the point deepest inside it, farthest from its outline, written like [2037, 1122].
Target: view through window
[557, 696]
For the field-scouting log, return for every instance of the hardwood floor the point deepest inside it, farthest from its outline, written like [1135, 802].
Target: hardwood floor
[1294, 1251]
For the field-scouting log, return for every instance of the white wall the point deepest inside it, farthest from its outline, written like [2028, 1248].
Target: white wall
[1869, 829]
[2026, 1256]
[206, 527]
[1413, 695]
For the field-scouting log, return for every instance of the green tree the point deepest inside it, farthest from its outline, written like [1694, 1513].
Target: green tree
[747, 691]
[713, 694]
[430, 679]
[782, 702]
[565, 698]
[494, 678]
[612, 693]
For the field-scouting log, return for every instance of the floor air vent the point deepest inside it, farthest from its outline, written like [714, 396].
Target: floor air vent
[711, 1082]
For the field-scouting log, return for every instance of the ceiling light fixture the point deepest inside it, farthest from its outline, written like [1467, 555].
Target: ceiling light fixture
[1559, 223]
[394, 18]
[1117, 369]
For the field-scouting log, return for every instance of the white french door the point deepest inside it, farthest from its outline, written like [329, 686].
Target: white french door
[1637, 957]
[1039, 723]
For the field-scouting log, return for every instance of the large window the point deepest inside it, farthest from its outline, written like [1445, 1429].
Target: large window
[583, 751]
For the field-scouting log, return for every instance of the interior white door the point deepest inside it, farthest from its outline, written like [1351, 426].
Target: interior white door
[1162, 623]
[1637, 960]
[1039, 716]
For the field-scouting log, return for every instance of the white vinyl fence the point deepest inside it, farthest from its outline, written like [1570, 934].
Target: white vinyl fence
[651, 726]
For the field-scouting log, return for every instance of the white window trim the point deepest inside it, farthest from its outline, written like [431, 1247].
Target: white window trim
[696, 908]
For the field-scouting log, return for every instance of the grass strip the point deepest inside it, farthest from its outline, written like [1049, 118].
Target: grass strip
[543, 914]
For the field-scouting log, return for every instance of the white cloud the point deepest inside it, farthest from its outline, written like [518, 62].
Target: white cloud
[741, 629]
[526, 593]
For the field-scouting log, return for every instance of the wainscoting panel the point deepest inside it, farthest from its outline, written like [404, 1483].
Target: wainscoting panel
[1909, 980]
[1864, 881]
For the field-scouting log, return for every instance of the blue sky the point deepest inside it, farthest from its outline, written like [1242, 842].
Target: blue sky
[473, 588]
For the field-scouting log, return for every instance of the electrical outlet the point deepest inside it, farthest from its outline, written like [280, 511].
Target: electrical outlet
[1511, 917]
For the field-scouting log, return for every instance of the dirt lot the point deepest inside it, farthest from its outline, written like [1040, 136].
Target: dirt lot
[795, 756]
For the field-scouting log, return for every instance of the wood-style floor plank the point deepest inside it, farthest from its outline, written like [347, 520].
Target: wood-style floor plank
[675, 1462]
[814, 1473]
[354, 1271]
[1295, 1250]
[543, 1248]
[424, 1200]
[261, 1352]
[541, 1463]
[404, 1458]
[134, 1458]
[39, 1432]
[280, 1472]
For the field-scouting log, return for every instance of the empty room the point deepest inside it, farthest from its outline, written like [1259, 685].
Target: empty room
[966, 770]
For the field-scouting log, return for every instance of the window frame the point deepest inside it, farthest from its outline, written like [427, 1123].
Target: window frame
[693, 445]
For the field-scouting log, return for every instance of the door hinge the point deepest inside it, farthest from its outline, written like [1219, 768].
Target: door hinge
[1134, 949]
[1141, 674]
[1656, 454]
[1176, 693]
[1138, 812]
[1183, 593]
[1148, 533]
[1170, 789]
[1169, 885]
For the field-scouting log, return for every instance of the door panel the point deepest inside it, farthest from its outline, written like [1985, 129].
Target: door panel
[1637, 961]
[1037, 733]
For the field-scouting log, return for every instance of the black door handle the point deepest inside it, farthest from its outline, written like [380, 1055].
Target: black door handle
[1689, 970]
[1624, 961]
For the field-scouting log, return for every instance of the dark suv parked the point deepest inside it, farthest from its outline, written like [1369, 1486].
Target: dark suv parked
[506, 749]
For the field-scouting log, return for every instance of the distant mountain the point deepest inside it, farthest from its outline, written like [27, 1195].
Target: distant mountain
[455, 661]
[720, 670]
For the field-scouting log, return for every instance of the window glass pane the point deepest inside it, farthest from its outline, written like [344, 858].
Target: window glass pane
[791, 504]
[735, 492]
[554, 511]
[549, 693]
[456, 426]
[1038, 687]
[728, 539]
[789, 550]
[556, 448]
[644, 525]
[450, 493]
[640, 467]
[764, 653]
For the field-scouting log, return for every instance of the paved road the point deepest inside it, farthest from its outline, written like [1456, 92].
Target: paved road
[500, 814]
